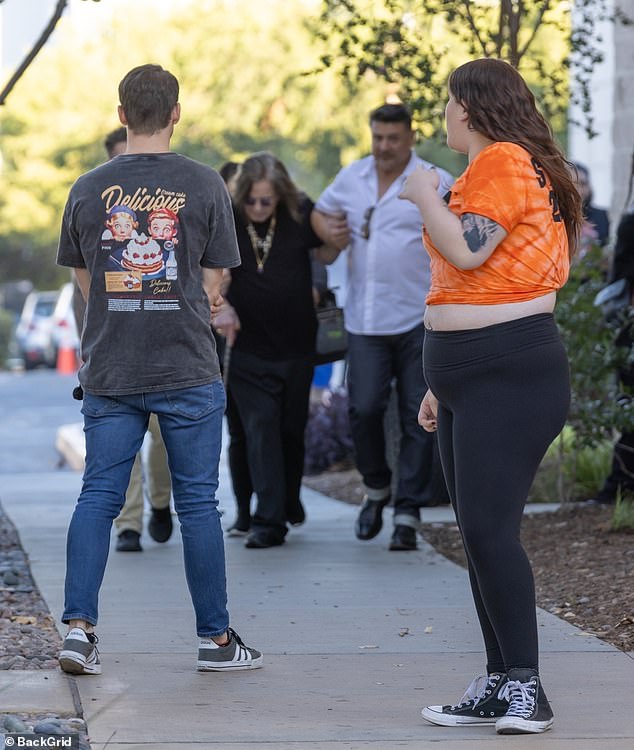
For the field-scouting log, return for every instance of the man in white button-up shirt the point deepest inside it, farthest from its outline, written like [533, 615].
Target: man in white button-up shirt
[388, 280]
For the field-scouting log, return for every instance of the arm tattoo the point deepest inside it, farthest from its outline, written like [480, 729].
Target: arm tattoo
[480, 232]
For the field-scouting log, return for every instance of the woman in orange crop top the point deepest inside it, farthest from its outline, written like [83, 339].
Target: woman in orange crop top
[495, 366]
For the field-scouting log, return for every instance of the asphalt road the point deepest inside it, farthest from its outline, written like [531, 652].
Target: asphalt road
[32, 406]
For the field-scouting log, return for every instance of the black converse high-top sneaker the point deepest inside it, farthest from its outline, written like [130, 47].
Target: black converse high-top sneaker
[529, 711]
[481, 704]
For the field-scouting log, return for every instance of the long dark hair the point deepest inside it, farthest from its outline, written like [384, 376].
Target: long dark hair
[501, 107]
[264, 166]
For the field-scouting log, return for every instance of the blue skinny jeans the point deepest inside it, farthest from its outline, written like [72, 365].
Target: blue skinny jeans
[191, 426]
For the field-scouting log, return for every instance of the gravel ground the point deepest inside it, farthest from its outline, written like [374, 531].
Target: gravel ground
[28, 640]
[28, 637]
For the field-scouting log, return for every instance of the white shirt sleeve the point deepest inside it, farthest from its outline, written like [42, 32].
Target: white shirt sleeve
[333, 199]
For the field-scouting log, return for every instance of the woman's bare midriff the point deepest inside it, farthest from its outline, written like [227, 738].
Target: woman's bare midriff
[461, 317]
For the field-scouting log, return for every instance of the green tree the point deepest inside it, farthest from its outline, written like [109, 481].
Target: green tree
[413, 44]
[243, 89]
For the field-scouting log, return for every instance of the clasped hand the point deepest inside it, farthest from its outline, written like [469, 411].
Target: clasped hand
[418, 182]
[225, 320]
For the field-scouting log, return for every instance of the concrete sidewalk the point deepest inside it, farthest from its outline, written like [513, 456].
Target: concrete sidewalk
[356, 640]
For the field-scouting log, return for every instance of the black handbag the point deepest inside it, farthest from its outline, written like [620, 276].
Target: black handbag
[614, 300]
[331, 342]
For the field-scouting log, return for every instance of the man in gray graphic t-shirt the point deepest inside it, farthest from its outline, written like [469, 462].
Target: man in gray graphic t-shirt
[148, 235]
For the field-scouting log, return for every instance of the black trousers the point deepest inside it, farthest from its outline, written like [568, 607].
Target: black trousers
[271, 399]
[373, 361]
[503, 394]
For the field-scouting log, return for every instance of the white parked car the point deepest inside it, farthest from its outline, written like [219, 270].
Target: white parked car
[33, 332]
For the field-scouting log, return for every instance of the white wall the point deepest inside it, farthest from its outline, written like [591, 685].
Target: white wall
[609, 155]
[623, 126]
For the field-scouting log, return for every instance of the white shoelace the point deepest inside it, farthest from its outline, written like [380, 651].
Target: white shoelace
[476, 691]
[521, 697]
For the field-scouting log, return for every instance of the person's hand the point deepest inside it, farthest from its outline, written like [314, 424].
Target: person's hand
[338, 230]
[418, 182]
[216, 305]
[427, 414]
[226, 322]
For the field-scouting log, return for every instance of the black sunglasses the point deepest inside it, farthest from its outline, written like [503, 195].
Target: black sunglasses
[365, 227]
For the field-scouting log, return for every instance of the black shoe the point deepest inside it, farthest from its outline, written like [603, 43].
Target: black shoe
[370, 519]
[403, 539]
[296, 515]
[529, 711]
[160, 524]
[263, 539]
[129, 541]
[481, 704]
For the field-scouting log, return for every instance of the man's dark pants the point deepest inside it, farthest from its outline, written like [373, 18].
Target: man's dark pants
[373, 362]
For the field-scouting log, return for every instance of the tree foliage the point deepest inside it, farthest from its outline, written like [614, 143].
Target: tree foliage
[413, 44]
[242, 90]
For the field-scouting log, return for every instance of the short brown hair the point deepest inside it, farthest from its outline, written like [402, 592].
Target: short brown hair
[392, 113]
[113, 138]
[148, 94]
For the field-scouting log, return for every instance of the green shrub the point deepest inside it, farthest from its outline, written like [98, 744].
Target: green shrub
[598, 406]
[594, 357]
[591, 467]
[570, 472]
[623, 517]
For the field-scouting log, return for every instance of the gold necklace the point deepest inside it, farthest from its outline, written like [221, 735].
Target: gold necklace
[261, 247]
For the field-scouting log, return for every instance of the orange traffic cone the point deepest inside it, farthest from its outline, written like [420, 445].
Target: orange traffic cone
[66, 360]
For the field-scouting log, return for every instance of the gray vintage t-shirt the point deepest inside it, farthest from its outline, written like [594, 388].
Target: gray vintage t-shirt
[143, 225]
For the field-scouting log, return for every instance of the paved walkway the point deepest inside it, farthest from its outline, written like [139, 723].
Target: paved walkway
[356, 639]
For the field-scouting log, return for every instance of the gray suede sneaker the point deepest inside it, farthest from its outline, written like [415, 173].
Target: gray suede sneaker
[79, 653]
[481, 704]
[232, 657]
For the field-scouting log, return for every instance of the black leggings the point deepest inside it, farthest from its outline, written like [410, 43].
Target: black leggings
[503, 394]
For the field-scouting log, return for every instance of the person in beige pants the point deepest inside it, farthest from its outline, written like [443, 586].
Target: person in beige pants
[151, 474]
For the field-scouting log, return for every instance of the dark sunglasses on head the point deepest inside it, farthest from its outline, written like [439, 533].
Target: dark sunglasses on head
[365, 227]
[264, 202]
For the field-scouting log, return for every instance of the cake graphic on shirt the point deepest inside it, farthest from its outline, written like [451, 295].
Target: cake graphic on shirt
[142, 254]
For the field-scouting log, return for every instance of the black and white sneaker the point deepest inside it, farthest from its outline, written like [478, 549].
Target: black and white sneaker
[482, 703]
[529, 711]
[79, 653]
[232, 657]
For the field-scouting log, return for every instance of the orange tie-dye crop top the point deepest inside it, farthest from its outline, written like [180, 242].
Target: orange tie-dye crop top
[506, 184]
